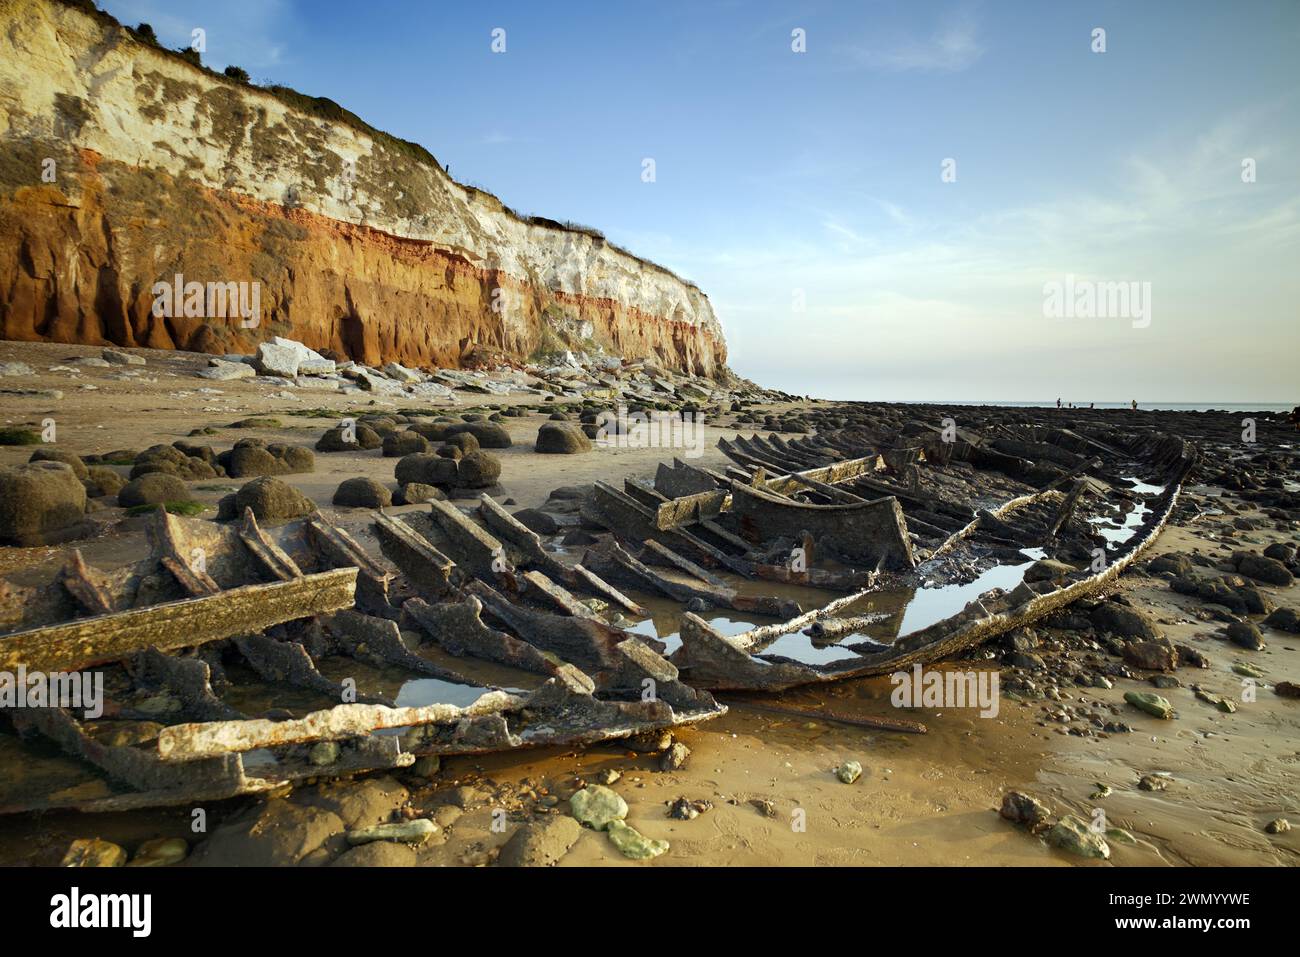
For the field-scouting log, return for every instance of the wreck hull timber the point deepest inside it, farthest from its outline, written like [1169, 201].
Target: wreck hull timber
[88, 641]
[873, 532]
[721, 663]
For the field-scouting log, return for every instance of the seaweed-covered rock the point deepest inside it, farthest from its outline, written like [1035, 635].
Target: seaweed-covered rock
[427, 469]
[413, 493]
[69, 459]
[342, 439]
[464, 442]
[1270, 571]
[561, 438]
[362, 493]
[37, 500]
[153, 488]
[251, 457]
[272, 500]
[170, 460]
[397, 444]
[1124, 621]
[433, 431]
[1284, 619]
[477, 470]
[1245, 634]
[490, 435]
[101, 481]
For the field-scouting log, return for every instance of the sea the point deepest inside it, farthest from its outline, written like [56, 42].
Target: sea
[1149, 406]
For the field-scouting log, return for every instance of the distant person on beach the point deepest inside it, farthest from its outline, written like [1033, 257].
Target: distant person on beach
[1135, 405]
[1058, 403]
[1092, 405]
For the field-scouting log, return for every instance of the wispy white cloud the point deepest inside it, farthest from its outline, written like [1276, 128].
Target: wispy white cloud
[248, 33]
[953, 46]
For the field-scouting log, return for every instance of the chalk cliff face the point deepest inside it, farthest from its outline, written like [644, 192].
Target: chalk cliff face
[122, 166]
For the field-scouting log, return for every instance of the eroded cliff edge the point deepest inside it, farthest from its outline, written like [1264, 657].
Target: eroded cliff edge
[361, 242]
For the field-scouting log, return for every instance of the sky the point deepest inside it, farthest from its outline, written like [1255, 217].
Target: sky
[888, 214]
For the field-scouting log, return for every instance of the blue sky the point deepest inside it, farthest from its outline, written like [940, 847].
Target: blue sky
[784, 177]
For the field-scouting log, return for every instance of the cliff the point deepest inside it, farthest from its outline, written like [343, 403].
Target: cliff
[122, 165]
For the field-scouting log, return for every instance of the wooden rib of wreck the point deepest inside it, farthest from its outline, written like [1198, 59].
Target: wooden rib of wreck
[212, 599]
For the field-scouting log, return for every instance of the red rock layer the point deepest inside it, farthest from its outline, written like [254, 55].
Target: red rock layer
[83, 271]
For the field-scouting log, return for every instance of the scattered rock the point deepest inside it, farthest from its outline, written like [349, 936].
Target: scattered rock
[674, 759]
[119, 358]
[1270, 571]
[849, 771]
[160, 852]
[377, 854]
[596, 806]
[271, 834]
[1124, 621]
[1020, 808]
[1153, 782]
[410, 832]
[1152, 704]
[1245, 634]
[1279, 825]
[93, 852]
[684, 809]
[540, 844]
[1071, 834]
[537, 521]
[632, 843]
[414, 493]
[1150, 655]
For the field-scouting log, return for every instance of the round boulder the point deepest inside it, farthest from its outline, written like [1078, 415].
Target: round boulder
[37, 499]
[362, 493]
[59, 455]
[464, 441]
[153, 488]
[490, 435]
[397, 444]
[102, 480]
[477, 470]
[342, 439]
[561, 438]
[272, 500]
[413, 493]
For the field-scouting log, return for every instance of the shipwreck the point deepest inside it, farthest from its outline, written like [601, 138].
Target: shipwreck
[244, 658]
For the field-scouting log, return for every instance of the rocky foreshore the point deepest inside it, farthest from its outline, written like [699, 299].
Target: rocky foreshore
[1126, 718]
